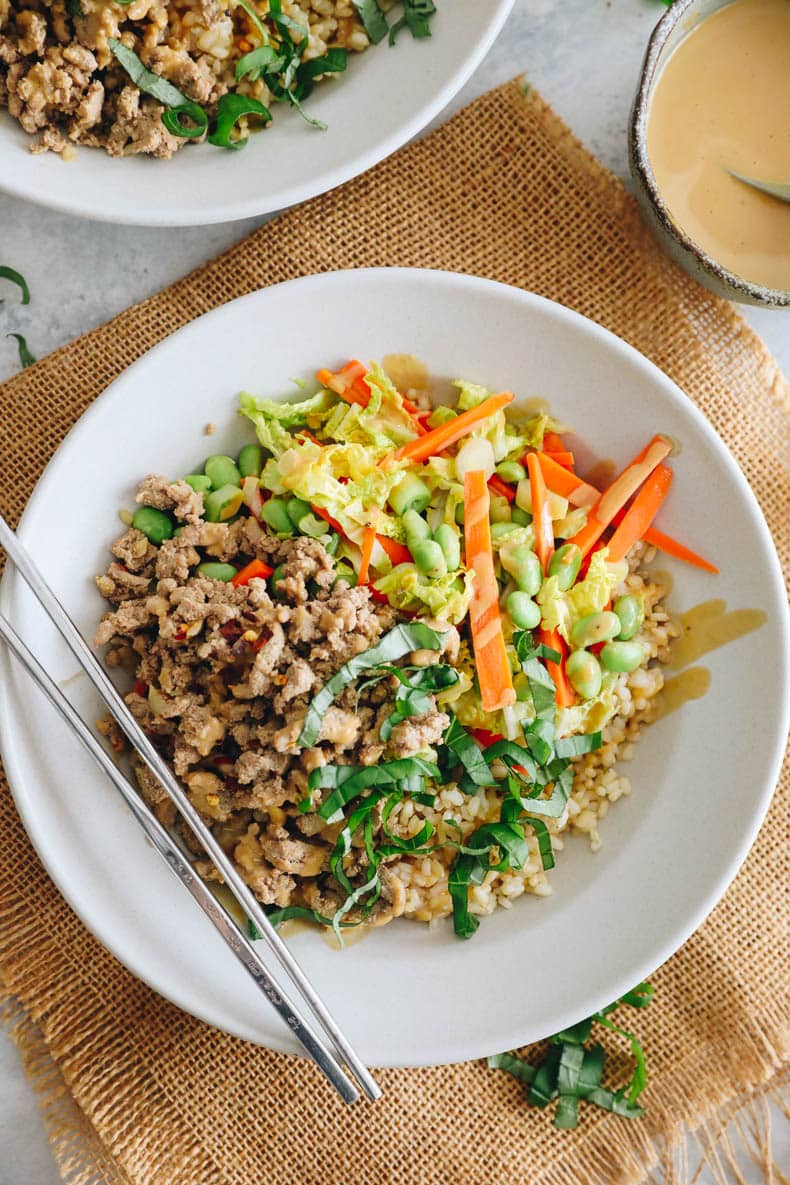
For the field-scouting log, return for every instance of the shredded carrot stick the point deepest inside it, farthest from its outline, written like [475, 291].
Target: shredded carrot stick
[541, 519]
[619, 491]
[448, 433]
[255, 568]
[564, 695]
[396, 551]
[562, 457]
[668, 545]
[553, 443]
[561, 481]
[581, 493]
[641, 512]
[498, 486]
[327, 517]
[368, 539]
[309, 436]
[493, 668]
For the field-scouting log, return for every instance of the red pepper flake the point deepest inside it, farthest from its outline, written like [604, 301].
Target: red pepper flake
[140, 688]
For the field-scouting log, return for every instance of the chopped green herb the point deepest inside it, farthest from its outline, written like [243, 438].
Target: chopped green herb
[399, 641]
[74, 8]
[148, 82]
[348, 781]
[8, 273]
[230, 110]
[334, 61]
[373, 19]
[172, 119]
[25, 357]
[259, 61]
[459, 747]
[413, 697]
[571, 1070]
[416, 18]
[256, 20]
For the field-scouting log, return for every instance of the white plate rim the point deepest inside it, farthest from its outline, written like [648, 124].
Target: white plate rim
[692, 921]
[161, 214]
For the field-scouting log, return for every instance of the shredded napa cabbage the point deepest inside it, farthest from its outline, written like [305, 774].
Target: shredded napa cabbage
[446, 598]
[272, 419]
[561, 610]
[590, 715]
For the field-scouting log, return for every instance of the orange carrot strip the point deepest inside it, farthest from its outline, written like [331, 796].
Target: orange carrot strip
[564, 696]
[640, 514]
[541, 519]
[368, 539]
[448, 433]
[343, 383]
[493, 668]
[255, 568]
[553, 443]
[561, 481]
[619, 491]
[581, 493]
[667, 544]
[498, 486]
[309, 436]
[327, 517]
[396, 551]
[562, 457]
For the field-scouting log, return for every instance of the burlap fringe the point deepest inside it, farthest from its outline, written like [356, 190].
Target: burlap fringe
[724, 1143]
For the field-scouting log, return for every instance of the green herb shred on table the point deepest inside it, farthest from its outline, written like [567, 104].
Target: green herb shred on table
[15, 277]
[572, 1068]
[25, 357]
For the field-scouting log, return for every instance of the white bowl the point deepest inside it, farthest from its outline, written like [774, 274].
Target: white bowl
[407, 994]
[386, 96]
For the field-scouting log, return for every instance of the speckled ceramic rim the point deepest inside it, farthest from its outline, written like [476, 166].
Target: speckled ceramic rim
[641, 169]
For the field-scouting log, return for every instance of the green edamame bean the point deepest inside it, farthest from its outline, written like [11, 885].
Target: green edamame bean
[459, 514]
[450, 544]
[155, 524]
[416, 528]
[409, 494]
[595, 627]
[584, 672]
[520, 517]
[622, 656]
[275, 514]
[511, 471]
[500, 530]
[331, 543]
[522, 689]
[631, 612]
[223, 572]
[222, 471]
[523, 610]
[296, 509]
[524, 566]
[222, 504]
[199, 482]
[250, 460]
[565, 564]
[275, 582]
[429, 558]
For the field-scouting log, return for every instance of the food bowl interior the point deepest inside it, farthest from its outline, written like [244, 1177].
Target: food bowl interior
[411, 994]
[385, 97]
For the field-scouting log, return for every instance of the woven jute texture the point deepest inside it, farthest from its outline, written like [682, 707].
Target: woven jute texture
[134, 1090]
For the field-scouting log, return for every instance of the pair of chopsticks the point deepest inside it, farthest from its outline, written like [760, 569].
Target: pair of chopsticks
[322, 1040]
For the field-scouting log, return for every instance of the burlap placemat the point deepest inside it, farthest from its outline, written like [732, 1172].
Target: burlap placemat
[135, 1091]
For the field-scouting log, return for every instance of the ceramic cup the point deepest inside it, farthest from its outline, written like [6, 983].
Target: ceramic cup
[678, 21]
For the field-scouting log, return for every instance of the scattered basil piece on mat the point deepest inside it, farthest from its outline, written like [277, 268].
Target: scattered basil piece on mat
[571, 1070]
[8, 273]
[25, 357]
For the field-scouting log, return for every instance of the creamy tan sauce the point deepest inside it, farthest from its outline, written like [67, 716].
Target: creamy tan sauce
[677, 691]
[708, 626]
[723, 102]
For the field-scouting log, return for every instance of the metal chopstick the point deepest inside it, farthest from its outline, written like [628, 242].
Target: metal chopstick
[101, 681]
[232, 935]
